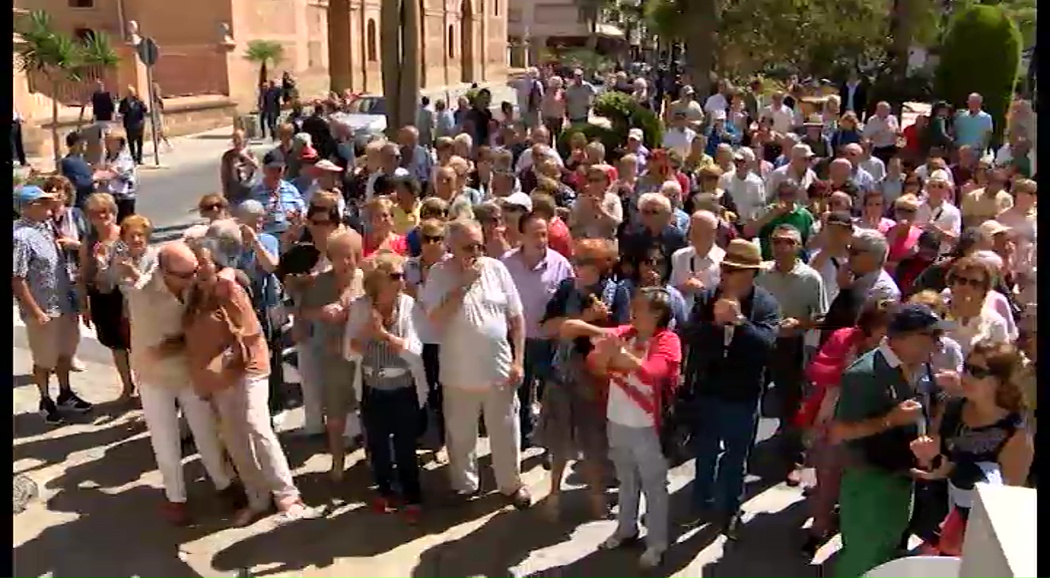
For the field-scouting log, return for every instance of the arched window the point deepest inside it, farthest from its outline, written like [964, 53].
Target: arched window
[373, 52]
[451, 42]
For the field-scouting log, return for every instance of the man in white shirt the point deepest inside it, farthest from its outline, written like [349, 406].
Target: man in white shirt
[871, 163]
[745, 187]
[936, 214]
[542, 137]
[390, 157]
[783, 117]
[796, 170]
[698, 266]
[687, 104]
[717, 101]
[680, 136]
[474, 306]
[883, 129]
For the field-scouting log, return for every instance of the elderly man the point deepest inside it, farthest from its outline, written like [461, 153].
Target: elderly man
[389, 166]
[155, 291]
[473, 304]
[282, 200]
[864, 278]
[799, 290]
[656, 228]
[688, 106]
[840, 178]
[536, 271]
[415, 158]
[864, 181]
[883, 129]
[974, 126]
[937, 214]
[579, 98]
[797, 170]
[784, 119]
[698, 266]
[744, 187]
[540, 139]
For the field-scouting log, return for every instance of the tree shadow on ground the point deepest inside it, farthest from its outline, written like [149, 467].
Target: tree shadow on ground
[112, 535]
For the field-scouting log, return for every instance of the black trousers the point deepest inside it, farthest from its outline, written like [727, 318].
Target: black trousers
[135, 135]
[390, 416]
[788, 374]
[268, 121]
[125, 208]
[435, 399]
[884, 154]
[18, 148]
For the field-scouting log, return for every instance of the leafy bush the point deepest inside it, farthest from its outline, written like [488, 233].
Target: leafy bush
[607, 136]
[624, 114]
[981, 53]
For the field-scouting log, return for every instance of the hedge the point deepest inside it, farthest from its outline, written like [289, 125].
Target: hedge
[981, 53]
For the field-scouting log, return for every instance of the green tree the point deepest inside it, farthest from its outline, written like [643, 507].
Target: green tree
[58, 57]
[981, 53]
[264, 53]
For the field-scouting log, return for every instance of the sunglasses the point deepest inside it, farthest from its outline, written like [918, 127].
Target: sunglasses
[977, 371]
[433, 238]
[396, 275]
[970, 281]
[473, 248]
[212, 207]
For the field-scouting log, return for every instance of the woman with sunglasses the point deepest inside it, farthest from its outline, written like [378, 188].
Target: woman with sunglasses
[430, 208]
[571, 420]
[324, 304]
[381, 335]
[417, 269]
[105, 308]
[981, 436]
[229, 364]
[652, 271]
[493, 228]
[970, 280]
[903, 236]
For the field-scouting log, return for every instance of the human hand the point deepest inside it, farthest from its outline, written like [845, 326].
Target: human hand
[789, 325]
[949, 381]
[41, 318]
[726, 311]
[907, 412]
[514, 377]
[66, 243]
[333, 313]
[925, 449]
[844, 277]
[596, 311]
[248, 235]
[693, 284]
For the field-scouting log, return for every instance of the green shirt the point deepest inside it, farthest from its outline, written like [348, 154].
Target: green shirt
[800, 218]
[871, 387]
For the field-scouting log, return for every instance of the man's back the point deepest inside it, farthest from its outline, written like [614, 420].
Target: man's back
[102, 106]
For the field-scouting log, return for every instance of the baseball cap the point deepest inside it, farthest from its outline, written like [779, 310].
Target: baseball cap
[915, 318]
[635, 133]
[687, 90]
[801, 150]
[308, 153]
[992, 228]
[519, 199]
[27, 194]
[327, 165]
[840, 219]
[718, 115]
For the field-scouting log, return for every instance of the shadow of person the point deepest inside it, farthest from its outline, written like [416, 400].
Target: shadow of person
[117, 465]
[55, 450]
[96, 542]
[757, 555]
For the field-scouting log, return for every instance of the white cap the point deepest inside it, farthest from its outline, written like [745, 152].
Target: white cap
[801, 150]
[718, 115]
[520, 200]
[939, 175]
[327, 165]
[636, 133]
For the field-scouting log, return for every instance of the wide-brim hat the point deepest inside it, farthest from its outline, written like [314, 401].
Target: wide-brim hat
[814, 120]
[742, 254]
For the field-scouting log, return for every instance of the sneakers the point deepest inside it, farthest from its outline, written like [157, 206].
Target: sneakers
[70, 401]
[49, 410]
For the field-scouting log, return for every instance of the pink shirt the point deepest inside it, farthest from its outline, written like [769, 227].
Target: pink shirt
[901, 245]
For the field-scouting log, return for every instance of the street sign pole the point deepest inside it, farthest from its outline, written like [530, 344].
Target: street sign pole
[153, 116]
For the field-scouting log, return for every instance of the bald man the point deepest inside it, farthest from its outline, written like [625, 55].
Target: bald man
[154, 289]
[698, 266]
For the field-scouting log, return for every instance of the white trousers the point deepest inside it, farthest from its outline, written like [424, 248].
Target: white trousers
[313, 397]
[499, 406]
[162, 418]
[244, 420]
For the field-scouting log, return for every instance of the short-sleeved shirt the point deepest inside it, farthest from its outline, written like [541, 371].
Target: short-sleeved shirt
[946, 216]
[475, 351]
[578, 100]
[277, 204]
[800, 292]
[266, 290]
[325, 337]
[38, 260]
[570, 301]
[800, 218]
[978, 206]
[971, 129]
[871, 387]
[585, 224]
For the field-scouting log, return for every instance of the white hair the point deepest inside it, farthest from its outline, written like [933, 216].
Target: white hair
[991, 259]
[873, 242]
[465, 139]
[655, 199]
[223, 240]
[460, 227]
[640, 84]
[671, 189]
[554, 82]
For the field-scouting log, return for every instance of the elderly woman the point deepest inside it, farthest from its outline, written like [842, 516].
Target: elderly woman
[673, 191]
[552, 106]
[105, 308]
[417, 269]
[119, 174]
[903, 236]
[230, 364]
[597, 212]
[211, 207]
[380, 234]
[571, 419]
[324, 306]
[873, 211]
[381, 334]
[969, 281]
[494, 229]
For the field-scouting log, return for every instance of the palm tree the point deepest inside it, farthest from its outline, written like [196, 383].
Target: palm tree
[58, 57]
[264, 53]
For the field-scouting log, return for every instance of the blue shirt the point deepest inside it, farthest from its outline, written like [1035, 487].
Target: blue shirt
[265, 287]
[422, 165]
[37, 259]
[278, 204]
[972, 129]
[79, 172]
[863, 179]
[731, 136]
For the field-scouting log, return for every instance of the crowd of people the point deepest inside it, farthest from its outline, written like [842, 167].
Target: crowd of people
[872, 290]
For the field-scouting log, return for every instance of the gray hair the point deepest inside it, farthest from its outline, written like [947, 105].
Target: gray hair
[223, 240]
[655, 199]
[788, 229]
[460, 227]
[872, 241]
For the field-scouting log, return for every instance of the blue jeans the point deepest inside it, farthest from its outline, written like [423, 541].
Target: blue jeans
[719, 482]
[538, 356]
[390, 420]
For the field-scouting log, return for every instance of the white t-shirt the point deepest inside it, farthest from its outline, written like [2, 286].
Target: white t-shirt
[370, 186]
[475, 352]
[621, 409]
[783, 118]
[679, 140]
[945, 216]
[715, 102]
[882, 132]
[749, 196]
[987, 325]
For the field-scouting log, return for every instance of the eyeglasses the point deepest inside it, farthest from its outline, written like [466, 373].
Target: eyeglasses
[433, 238]
[651, 212]
[396, 275]
[473, 248]
[970, 281]
[977, 371]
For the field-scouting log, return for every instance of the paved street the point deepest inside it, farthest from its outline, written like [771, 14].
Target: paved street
[100, 491]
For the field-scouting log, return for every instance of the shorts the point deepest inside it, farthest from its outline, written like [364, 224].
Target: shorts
[57, 339]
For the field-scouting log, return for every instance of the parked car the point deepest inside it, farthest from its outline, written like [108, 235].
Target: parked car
[366, 117]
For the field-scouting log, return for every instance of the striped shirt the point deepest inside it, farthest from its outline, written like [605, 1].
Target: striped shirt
[124, 181]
